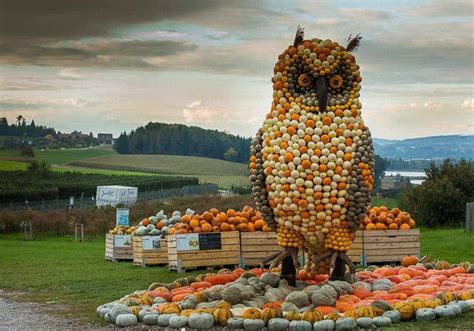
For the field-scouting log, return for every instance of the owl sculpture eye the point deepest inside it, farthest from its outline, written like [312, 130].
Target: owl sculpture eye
[304, 80]
[336, 82]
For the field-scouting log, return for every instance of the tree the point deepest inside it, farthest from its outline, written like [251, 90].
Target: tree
[381, 165]
[27, 152]
[230, 154]
[32, 124]
[441, 199]
[18, 120]
[23, 122]
[41, 169]
[122, 144]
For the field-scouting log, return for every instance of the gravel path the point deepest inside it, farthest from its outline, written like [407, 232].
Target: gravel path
[34, 316]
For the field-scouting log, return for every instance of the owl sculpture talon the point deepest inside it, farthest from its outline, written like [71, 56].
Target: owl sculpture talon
[337, 266]
[288, 259]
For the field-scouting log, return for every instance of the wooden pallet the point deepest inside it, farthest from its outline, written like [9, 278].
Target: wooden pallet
[147, 257]
[114, 253]
[181, 260]
[255, 246]
[380, 246]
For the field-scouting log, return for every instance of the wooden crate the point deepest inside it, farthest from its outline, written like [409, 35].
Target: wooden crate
[114, 253]
[145, 257]
[181, 260]
[255, 246]
[379, 246]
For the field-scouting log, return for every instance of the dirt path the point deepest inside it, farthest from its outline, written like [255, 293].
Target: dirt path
[32, 316]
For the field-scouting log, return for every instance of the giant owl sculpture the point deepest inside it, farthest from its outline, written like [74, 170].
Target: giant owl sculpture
[311, 162]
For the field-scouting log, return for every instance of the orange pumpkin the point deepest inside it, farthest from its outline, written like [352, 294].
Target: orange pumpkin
[409, 260]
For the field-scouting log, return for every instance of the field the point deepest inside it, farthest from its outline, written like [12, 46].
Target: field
[104, 160]
[65, 282]
[223, 173]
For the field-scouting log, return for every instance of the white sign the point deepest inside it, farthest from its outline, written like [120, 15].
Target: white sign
[122, 217]
[151, 243]
[187, 242]
[113, 195]
[123, 240]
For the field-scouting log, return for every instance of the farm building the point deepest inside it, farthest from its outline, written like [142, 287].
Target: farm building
[105, 138]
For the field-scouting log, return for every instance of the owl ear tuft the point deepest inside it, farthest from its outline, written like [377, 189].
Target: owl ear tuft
[299, 37]
[353, 43]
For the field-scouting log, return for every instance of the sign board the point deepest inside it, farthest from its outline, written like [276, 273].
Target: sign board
[151, 243]
[198, 241]
[122, 217]
[113, 195]
[210, 241]
[187, 242]
[122, 240]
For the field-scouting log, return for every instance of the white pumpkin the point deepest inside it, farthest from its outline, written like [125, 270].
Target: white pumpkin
[126, 320]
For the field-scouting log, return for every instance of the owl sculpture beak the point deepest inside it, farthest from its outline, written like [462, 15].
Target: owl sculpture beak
[322, 92]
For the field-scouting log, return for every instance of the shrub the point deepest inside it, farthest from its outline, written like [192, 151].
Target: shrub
[441, 199]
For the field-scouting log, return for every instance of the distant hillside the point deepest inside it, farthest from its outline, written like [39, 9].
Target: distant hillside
[178, 139]
[435, 147]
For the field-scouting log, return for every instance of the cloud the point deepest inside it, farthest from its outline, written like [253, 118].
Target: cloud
[49, 20]
[70, 73]
[108, 53]
[443, 8]
[365, 14]
[7, 103]
[431, 104]
[199, 113]
[468, 103]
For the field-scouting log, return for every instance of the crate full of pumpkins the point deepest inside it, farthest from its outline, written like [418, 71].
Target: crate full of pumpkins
[381, 218]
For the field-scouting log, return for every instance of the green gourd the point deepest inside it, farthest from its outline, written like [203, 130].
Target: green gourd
[178, 322]
[365, 323]
[126, 320]
[381, 321]
[300, 326]
[298, 298]
[253, 324]
[151, 319]
[278, 324]
[394, 315]
[346, 323]
[201, 321]
[425, 314]
[325, 325]
[235, 323]
[164, 320]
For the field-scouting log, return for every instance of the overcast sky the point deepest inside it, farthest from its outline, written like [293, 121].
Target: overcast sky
[109, 66]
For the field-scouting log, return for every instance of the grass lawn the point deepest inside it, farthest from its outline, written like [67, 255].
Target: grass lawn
[12, 165]
[59, 270]
[58, 156]
[222, 173]
[388, 202]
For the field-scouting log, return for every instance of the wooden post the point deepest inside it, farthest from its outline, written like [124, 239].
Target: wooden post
[469, 216]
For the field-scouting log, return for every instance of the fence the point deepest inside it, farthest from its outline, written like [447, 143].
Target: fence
[88, 201]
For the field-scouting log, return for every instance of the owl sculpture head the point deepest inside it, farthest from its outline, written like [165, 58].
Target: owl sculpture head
[316, 74]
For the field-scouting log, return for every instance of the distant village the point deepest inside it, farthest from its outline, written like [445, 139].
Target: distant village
[20, 134]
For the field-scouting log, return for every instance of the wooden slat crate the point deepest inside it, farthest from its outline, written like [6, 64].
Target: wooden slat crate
[255, 246]
[146, 257]
[114, 253]
[379, 246]
[182, 260]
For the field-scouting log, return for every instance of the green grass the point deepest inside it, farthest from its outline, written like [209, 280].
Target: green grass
[66, 272]
[64, 156]
[452, 245]
[6, 165]
[222, 173]
[75, 274]
[388, 202]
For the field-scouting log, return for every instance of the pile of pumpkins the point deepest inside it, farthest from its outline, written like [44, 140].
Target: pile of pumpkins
[258, 299]
[245, 220]
[121, 229]
[159, 224]
[381, 218]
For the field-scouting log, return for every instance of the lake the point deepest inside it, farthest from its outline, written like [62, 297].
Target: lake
[410, 174]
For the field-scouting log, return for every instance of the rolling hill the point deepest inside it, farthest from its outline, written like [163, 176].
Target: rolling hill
[427, 148]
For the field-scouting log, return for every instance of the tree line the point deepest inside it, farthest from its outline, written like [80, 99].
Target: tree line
[178, 139]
